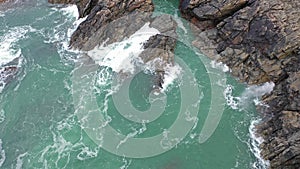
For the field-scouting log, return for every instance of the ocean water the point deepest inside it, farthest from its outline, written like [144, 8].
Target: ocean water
[65, 110]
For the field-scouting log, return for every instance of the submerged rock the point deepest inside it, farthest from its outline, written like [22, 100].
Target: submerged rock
[7, 73]
[260, 41]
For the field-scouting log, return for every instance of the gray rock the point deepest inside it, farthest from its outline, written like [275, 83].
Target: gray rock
[260, 41]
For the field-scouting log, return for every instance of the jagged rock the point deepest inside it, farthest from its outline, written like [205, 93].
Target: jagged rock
[294, 91]
[260, 41]
[101, 13]
[159, 49]
[110, 21]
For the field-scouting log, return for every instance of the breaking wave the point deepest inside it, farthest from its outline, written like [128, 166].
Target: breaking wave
[255, 143]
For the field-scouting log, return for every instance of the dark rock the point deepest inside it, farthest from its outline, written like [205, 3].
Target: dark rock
[260, 41]
[103, 13]
[110, 21]
[7, 73]
[159, 49]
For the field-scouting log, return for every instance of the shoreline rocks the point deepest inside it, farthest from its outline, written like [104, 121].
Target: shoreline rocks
[110, 21]
[260, 41]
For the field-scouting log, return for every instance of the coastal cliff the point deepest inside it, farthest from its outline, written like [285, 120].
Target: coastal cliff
[260, 41]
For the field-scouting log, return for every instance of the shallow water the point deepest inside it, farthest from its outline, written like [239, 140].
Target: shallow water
[40, 126]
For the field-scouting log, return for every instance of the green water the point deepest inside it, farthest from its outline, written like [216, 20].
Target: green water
[40, 128]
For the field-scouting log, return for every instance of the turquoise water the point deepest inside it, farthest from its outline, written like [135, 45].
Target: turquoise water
[40, 128]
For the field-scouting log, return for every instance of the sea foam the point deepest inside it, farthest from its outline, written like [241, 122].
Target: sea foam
[19, 164]
[2, 154]
[255, 143]
[122, 56]
[256, 91]
[2, 114]
[219, 65]
[171, 74]
[250, 94]
[8, 49]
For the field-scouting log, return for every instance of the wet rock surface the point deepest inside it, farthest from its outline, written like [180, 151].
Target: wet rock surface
[260, 41]
[7, 74]
[159, 49]
[110, 21]
[103, 21]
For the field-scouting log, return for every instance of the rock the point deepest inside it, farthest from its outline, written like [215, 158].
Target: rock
[110, 21]
[7, 73]
[260, 41]
[294, 91]
[159, 49]
[103, 13]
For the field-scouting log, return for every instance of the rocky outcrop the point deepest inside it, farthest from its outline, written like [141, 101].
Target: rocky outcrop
[101, 25]
[110, 21]
[260, 41]
[159, 49]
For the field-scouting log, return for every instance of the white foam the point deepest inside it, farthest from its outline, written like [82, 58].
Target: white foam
[61, 147]
[2, 154]
[168, 143]
[122, 56]
[171, 74]
[87, 153]
[134, 133]
[255, 92]
[62, 37]
[251, 94]
[231, 101]
[255, 143]
[126, 164]
[258, 90]
[2, 114]
[20, 160]
[75, 26]
[8, 50]
[220, 66]
[71, 10]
